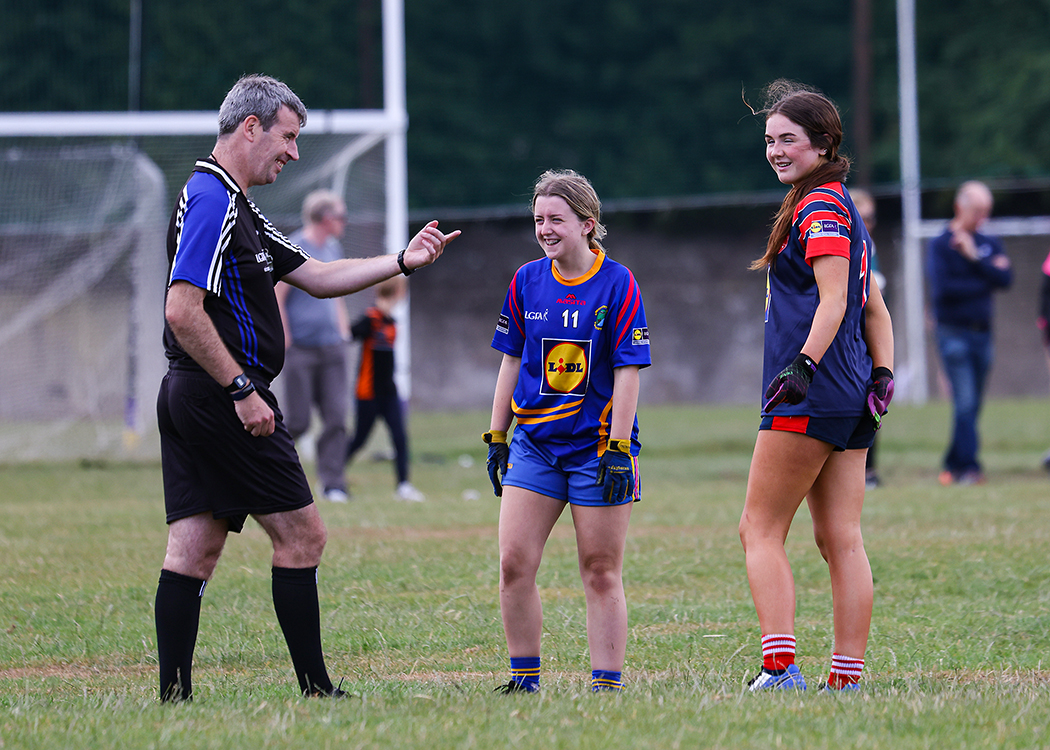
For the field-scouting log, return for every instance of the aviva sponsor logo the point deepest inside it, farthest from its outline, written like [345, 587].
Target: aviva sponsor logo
[566, 367]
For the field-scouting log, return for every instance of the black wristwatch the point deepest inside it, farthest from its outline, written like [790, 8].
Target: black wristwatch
[401, 262]
[240, 388]
[239, 384]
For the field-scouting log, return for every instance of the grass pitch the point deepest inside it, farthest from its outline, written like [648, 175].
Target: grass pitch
[958, 654]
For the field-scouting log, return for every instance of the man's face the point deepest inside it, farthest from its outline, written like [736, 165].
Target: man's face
[275, 147]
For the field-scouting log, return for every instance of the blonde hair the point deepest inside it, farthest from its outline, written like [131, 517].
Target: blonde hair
[577, 191]
[318, 203]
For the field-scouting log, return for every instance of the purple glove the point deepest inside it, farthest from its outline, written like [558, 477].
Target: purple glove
[880, 393]
[792, 384]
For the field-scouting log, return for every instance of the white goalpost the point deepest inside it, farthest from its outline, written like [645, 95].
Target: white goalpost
[85, 200]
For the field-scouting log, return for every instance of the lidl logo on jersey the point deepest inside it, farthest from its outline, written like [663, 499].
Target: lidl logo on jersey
[566, 367]
[823, 228]
[640, 337]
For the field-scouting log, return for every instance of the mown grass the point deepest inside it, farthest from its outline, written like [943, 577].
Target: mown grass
[411, 620]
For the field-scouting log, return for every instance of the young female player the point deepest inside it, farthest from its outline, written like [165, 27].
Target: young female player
[828, 359]
[573, 336]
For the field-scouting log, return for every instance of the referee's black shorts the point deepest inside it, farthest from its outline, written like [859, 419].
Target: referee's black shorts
[212, 464]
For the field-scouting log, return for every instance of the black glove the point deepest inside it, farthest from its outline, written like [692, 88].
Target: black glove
[616, 472]
[792, 384]
[499, 452]
[880, 393]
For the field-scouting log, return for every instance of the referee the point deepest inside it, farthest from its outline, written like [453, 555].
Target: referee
[225, 451]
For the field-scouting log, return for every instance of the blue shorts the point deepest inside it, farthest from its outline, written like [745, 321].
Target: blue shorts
[845, 433]
[569, 478]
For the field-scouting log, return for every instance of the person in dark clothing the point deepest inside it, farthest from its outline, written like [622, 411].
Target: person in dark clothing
[965, 268]
[226, 453]
[377, 394]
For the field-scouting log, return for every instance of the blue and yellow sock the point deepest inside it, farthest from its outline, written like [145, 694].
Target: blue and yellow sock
[602, 679]
[525, 670]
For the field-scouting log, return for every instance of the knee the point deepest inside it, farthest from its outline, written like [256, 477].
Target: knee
[747, 531]
[318, 539]
[515, 567]
[601, 573]
[822, 543]
[835, 545]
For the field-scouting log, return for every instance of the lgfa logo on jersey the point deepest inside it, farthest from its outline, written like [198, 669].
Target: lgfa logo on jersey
[265, 259]
[566, 367]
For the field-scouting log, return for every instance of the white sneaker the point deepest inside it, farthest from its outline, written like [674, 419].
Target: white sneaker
[405, 491]
[335, 495]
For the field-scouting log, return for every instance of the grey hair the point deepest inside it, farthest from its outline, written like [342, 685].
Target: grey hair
[261, 96]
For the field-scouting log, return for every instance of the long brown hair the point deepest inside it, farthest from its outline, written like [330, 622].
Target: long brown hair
[819, 117]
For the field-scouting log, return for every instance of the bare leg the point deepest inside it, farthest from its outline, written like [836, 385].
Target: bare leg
[783, 468]
[525, 521]
[298, 537]
[194, 545]
[601, 535]
[835, 503]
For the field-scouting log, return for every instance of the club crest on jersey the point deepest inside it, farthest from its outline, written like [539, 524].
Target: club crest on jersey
[599, 317]
[823, 228]
[566, 367]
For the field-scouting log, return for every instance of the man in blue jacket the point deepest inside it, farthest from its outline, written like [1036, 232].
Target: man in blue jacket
[965, 267]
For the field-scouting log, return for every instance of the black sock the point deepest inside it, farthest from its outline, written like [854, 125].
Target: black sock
[298, 612]
[178, 612]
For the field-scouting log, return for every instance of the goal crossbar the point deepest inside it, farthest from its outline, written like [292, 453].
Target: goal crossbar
[14, 124]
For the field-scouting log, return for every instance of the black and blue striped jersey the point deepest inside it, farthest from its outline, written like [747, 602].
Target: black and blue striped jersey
[220, 242]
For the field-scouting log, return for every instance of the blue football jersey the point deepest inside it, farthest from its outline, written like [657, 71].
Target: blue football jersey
[826, 223]
[570, 335]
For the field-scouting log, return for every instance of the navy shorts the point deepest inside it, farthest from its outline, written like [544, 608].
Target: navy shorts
[212, 464]
[569, 478]
[845, 433]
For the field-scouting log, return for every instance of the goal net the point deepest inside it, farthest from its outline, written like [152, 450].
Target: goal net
[84, 207]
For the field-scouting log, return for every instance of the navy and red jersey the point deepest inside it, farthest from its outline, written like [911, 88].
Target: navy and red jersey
[825, 223]
[220, 242]
[375, 377]
[570, 335]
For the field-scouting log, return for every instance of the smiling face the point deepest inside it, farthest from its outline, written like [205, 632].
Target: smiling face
[561, 233]
[274, 148]
[789, 151]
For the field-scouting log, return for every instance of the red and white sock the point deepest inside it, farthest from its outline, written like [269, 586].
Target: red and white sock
[845, 670]
[778, 651]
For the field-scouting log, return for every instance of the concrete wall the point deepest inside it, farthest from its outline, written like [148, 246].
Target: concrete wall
[704, 307]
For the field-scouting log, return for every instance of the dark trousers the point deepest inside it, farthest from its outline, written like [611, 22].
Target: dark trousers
[389, 409]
